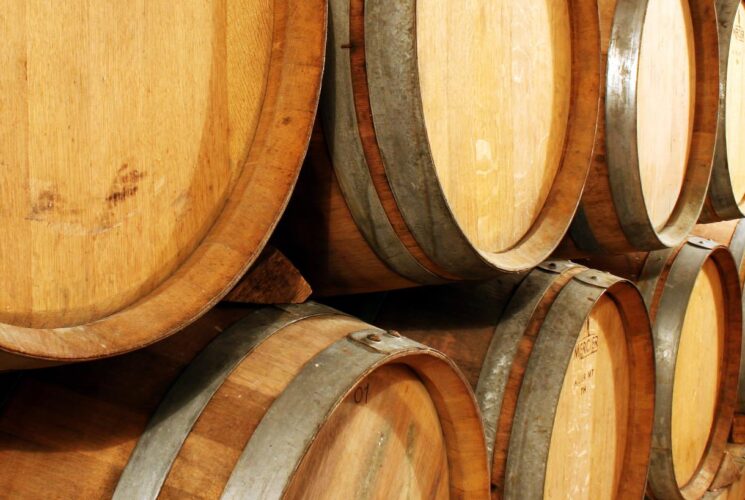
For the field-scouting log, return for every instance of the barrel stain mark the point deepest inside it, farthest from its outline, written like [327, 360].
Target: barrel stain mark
[125, 185]
[367, 489]
[49, 204]
[51, 207]
[410, 442]
[45, 202]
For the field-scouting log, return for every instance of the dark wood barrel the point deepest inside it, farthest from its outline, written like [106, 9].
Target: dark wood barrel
[656, 136]
[726, 198]
[694, 299]
[280, 405]
[145, 158]
[563, 367]
[455, 141]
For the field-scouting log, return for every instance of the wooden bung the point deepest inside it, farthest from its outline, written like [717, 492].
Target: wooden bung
[726, 198]
[563, 368]
[146, 156]
[693, 295]
[283, 404]
[454, 141]
[657, 129]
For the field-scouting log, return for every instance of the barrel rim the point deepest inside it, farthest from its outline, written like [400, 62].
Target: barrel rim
[170, 425]
[683, 267]
[589, 285]
[238, 234]
[621, 127]
[721, 197]
[393, 91]
[737, 244]
[340, 126]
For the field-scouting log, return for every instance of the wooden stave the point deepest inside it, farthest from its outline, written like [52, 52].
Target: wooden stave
[340, 125]
[235, 240]
[145, 473]
[513, 304]
[652, 271]
[325, 263]
[721, 203]
[662, 477]
[459, 259]
[613, 198]
[734, 238]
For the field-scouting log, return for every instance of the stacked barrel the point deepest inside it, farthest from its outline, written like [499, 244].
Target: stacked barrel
[502, 197]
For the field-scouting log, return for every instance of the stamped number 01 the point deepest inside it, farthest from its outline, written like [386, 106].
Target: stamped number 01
[361, 393]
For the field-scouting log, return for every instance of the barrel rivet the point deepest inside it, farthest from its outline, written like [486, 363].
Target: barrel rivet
[552, 265]
[374, 337]
[393, 333]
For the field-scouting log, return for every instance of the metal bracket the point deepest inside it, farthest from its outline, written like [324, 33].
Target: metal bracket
[597, 278]
[556, 266]
[703, 243]
[384, 342]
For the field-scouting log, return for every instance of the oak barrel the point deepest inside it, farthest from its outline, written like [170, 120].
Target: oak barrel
[455, 141]
[656, 135]
[694, 299]
[562, 363]
[726, 198]
[290, 402]
[146, 156]
[731, 233]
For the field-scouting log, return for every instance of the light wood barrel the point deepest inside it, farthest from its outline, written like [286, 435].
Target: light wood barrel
[731, 233]
[284, 404]
[140, 162]
[459, 136]
[694, 300]
[726, 198]
[656, 137]
[563, 367]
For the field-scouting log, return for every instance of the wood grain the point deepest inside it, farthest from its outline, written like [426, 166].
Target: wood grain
[693, 295]
[665, 104]
[698, 372]
[272, 280]
[735, 106]
[600, 434]
[432, 163]
[320, 236]
[378, 457]
[407, 424]
[496, 109]
[210, 452]
[656, 139]
[588, 443]
[135, 123]
[100, 409]
[143, 176]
